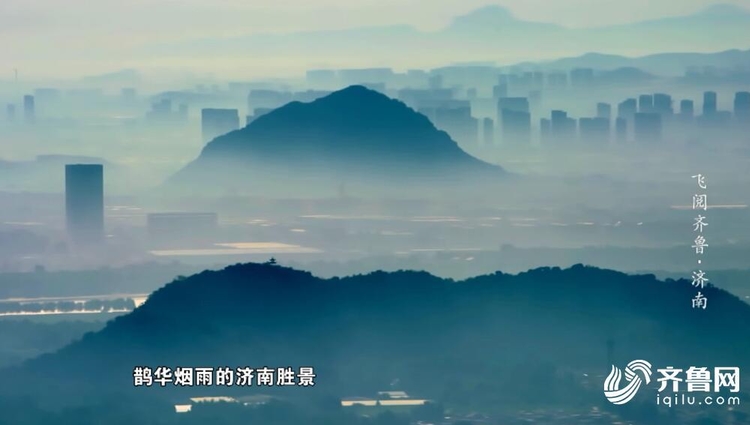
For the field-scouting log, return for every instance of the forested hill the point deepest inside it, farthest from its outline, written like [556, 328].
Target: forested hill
[491, 339]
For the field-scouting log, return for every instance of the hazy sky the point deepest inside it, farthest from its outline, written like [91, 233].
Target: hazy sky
[77, 17]
[32, 31]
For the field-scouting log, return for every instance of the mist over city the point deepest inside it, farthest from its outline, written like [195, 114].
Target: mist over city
[491, 188]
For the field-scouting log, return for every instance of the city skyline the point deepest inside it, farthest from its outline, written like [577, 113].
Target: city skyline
[225, 197]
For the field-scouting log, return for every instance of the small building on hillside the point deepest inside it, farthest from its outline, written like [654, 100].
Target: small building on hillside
[393, 394]
[183, 408]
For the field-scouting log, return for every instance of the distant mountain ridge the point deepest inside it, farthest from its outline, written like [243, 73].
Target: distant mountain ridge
[488, 33]
[354, 135]
[660, 64]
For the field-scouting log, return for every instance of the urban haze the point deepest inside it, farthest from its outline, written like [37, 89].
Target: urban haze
[442, 213]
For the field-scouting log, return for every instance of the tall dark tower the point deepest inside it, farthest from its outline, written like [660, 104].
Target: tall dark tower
[645, 103]
[742, 107]
[488, 133]
[709, 103]
[10, 112]
[84, 202]
[29, 111]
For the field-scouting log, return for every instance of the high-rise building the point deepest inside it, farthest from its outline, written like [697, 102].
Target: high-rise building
[604, 110]
[84, 202]
[500, 90]
[521, 82]
[263, 98]
[415, 77]
[528, 79]
[645, 103]
[216, 122]
[163, 106]
[29, 112]
[458, 122]
[709, 103]
[10, 112]
[435, 82]
[488, 131]
[162, 112]
[687, 112]
[516, 126]
[621, 130]
[518, 104]
[663, 104]
[562, 127]
[418, 98]
[627, 108]
[687, 108]
[742, 106]
[321, 78]
[538, 79]
[558, 117]
[648, 127]
[535, 100]
[557, 80]
[515, 119]
[545, 130]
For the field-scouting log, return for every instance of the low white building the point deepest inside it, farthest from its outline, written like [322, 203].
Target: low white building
[183, 408]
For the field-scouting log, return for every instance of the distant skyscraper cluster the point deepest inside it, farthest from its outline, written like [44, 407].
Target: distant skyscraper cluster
[516, 98]
[162, 111]
[477, 105]
[453, 98]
